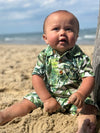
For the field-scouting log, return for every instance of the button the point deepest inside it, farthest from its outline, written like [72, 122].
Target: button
[61, 72]
[54, 51]
[60, 60]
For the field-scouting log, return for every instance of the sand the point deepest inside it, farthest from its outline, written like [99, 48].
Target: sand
[16, 64]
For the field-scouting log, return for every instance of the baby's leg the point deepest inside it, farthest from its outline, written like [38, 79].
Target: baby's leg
[87, 119]
[16, 110]
[87, 127]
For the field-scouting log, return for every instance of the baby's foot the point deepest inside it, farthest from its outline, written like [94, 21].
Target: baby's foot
[87, 127]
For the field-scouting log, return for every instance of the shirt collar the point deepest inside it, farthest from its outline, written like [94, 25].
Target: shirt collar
[75, 51]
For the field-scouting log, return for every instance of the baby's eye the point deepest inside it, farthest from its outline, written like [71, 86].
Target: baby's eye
[69, 29]
[56, 28]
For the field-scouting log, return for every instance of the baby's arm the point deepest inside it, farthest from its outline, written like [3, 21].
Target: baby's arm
[84, 90]
[50, 103]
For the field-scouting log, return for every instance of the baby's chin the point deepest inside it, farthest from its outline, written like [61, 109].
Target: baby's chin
[63, 47]
[61, 51]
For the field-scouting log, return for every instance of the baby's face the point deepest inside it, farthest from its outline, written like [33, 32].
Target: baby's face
[61, 31]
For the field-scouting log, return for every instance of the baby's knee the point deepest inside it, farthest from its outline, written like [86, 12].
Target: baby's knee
[28, 104]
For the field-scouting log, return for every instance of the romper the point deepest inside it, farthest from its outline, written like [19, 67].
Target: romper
[62, 75]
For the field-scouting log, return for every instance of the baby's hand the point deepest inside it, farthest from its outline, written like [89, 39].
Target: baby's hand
[51, 105]
[77, 99]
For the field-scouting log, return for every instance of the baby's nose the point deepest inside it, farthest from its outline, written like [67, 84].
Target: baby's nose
[62, 32]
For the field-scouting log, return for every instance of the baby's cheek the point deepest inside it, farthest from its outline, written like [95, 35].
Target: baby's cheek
[52, 37]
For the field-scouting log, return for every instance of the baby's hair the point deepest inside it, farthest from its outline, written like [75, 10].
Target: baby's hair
[60, 11]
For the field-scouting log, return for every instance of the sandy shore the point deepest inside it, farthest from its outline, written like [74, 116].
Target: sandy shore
[16, 64]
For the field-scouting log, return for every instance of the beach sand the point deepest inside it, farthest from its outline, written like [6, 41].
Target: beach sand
[16, 65]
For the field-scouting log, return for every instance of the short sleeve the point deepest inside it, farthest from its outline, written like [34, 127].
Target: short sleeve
[39, 69]
[85, 68]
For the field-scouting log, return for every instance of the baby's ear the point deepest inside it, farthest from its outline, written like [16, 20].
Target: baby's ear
[45, 38]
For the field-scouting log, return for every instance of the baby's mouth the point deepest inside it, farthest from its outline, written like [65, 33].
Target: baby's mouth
[63, 41]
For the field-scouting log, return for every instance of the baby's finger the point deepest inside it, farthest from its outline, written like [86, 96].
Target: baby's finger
[77, 102]
[72, 99]
[45, 112]
[68, 102]
[80, 104]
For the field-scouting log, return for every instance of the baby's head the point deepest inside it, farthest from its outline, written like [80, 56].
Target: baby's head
[60, 12]
[61, 30]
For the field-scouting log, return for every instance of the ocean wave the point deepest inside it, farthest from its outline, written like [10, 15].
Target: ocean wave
[14, 39]
[85, 36]
[90, 36]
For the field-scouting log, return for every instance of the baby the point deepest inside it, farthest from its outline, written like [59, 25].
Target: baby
[62, 78]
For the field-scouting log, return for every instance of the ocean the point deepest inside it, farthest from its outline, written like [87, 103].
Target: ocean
[86, 36]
